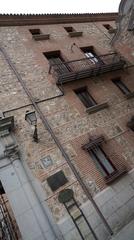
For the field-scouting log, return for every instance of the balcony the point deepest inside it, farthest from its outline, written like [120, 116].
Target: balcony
[84, 68]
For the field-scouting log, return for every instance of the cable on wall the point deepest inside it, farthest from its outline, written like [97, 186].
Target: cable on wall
[56, 140]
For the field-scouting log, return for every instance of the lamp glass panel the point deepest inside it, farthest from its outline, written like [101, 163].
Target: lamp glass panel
[31, 118]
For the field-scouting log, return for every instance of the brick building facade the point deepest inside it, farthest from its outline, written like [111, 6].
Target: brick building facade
[77, 74]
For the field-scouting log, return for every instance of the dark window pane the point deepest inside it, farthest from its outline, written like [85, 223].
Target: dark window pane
[132, 128]
[107, 26]
[57, 180]
[2, 191]
[130, 124]
[35, 31]
[85, 97]
[102, 162]
[121, 85]
[69, 29]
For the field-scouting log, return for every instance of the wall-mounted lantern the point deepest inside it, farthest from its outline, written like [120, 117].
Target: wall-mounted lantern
[31, 118]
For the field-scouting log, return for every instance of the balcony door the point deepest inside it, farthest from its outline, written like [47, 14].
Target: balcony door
[55, 59]
[90, 53]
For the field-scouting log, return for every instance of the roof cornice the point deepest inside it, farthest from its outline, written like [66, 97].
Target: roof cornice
[35, 19]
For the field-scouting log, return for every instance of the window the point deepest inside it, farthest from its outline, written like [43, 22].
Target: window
[72, 32]
[118, 82]
[102, 162]
[130, 124]
[2, 191]
[132, 128]
[57, 180]
[108, 26]
[38, 35]
[85, 97]
[35, 31]
[56, 58]
[69, 29]
[90, 54]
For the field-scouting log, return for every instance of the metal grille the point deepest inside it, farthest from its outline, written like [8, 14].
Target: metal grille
[93, 143]
[8, 226]
[83, 68]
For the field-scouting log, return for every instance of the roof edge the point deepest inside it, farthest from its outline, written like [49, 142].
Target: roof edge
[34, 19]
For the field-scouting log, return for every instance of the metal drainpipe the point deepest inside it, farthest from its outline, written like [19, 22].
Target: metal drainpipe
[56, 140]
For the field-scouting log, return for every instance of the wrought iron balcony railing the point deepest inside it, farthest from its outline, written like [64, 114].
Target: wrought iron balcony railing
[87, 67]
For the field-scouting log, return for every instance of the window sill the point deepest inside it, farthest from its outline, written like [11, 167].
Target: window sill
[75, 34]
[130, 95]
[116, 175]
[41, 37]
[112, 30]
[97, 108]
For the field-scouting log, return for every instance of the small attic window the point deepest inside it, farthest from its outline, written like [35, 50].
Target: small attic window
[69, 29]
[72, 32]
[130, 124]
[107, 26]
[35, 31]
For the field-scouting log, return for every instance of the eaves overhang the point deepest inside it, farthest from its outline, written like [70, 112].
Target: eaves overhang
[46, 19]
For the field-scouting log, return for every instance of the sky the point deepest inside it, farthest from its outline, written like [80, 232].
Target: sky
[58, 6]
